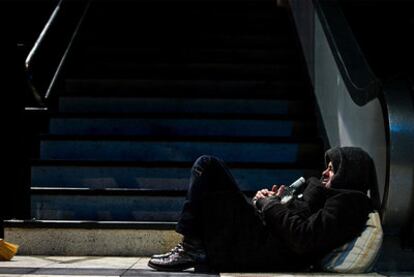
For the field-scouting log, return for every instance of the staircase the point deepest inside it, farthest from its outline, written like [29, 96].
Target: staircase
[149, 87]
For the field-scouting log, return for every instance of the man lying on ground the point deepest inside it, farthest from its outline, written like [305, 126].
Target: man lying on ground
[224, 231]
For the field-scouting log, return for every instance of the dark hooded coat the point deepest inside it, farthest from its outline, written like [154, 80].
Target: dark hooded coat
[293, 236]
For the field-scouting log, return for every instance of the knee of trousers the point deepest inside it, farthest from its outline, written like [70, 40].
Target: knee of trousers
[204, 162]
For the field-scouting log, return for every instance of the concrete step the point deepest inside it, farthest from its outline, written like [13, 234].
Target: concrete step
[250, 8]
[167, 126]
[105, 204]
[151, 21]
[188, 55]
[189, 71]
[178, 149]
[168, 105]
[182, 11]
[170, 176]
[174, 88]
[101, 238]
[201, 24]
[79, 248]
[265, 41]
[196, 36]
[235, 88]
[202, 16]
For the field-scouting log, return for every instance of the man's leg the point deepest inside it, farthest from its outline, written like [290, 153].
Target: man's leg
[208, 174]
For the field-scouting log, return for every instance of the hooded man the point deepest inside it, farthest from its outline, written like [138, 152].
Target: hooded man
[224, 231]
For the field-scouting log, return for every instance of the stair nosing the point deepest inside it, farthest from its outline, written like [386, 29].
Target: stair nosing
[105, 191]
[90, 224]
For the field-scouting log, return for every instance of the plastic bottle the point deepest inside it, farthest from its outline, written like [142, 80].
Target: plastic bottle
[290, 190]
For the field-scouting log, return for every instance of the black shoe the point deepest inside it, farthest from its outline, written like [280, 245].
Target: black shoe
[180, 258]
[178, 247]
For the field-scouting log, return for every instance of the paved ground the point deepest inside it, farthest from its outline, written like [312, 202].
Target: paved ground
[38, 266]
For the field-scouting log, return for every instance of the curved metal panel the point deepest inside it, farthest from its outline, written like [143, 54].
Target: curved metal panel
[346, 123]
[399, 197]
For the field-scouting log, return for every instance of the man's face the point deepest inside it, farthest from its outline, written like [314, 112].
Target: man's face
[327, 176]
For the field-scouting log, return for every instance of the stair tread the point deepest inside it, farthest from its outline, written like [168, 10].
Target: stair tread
[262, 149]
[123, 98]
[191, 71]
[106, 191]
[179, 194]
[188, 126]
[225, 107]
[150, 176]
[106, 207]
[90, 224]
[168, 164]
[184, 116]
[223, 139]
[186, 54]
[181, 81]
[224, 89]
[236, 65]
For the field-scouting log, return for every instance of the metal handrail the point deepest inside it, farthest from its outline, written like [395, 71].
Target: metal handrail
[363, 86]
[41, 37]
[36, 46]
[33, 51]
[62, 61]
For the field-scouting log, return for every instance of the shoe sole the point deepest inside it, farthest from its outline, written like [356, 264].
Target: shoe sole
[170, 269]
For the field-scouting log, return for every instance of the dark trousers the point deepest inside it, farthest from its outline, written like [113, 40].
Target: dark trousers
[219, 214]
[208, 174]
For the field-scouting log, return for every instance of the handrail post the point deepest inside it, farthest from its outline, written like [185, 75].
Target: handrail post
[14, 188]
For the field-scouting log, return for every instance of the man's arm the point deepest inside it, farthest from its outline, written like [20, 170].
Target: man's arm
[342, 217]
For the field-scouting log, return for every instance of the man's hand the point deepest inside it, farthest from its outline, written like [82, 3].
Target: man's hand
[263, 193]
[276, 191]
[279, 190]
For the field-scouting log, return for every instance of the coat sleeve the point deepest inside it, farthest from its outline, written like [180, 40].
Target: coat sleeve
[340, 219]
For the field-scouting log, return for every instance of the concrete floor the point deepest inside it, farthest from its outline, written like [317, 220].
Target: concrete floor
[57, 266]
